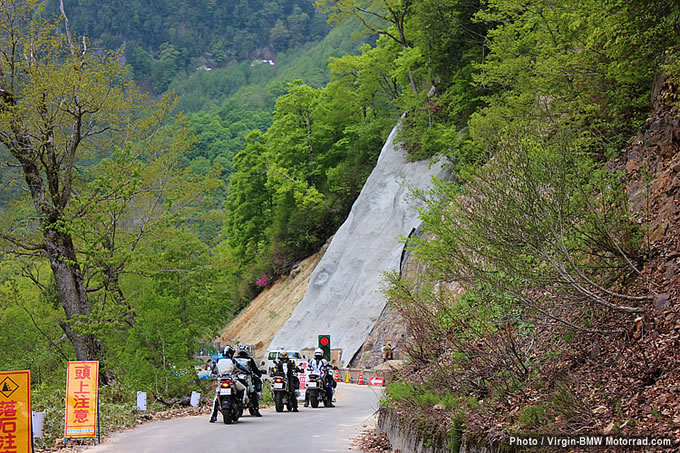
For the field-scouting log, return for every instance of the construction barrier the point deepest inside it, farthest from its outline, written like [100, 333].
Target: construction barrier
[352, 375]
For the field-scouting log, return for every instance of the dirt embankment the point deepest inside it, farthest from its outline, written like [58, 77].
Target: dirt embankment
[265, 315]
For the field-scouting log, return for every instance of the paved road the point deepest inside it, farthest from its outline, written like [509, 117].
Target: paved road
[310, 430]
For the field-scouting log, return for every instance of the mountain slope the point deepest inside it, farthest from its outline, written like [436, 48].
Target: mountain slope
[343, 298]
[267, 313]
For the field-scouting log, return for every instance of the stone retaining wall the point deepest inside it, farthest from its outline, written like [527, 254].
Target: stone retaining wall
[405, 438]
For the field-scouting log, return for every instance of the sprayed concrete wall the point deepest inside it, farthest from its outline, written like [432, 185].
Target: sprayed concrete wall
[343, 297]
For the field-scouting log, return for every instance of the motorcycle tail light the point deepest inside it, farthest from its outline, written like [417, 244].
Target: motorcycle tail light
[225, 384]
[278, 379]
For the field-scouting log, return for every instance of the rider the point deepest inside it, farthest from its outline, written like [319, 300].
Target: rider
[255, 381]
[284, 364]
[320, 366]
[220, 368]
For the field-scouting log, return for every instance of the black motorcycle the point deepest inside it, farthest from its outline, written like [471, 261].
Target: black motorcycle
[317, 389]
[247, 401]
[283, 394]
[230, 396]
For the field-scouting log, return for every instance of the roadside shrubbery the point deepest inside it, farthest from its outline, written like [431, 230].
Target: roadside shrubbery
[534, 261]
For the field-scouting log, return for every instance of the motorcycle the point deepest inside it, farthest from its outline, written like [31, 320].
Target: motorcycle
[283, 395]
[230, 396]
[317, 388]
[246, 400]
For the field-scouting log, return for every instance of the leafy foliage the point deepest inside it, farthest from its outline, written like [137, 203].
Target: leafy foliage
[535, 231]
[292, 186]
[164, 39]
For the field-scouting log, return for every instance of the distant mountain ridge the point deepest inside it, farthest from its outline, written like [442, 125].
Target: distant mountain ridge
[162, 38]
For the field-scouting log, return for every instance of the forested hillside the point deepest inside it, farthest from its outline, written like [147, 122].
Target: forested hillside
[164, 39]
[131, 232]
[119, 242]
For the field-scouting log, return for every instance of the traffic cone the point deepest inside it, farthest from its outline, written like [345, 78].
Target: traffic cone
[361, 377]
[347, 377]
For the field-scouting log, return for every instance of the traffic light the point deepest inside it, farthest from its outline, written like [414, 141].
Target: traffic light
[325, 345]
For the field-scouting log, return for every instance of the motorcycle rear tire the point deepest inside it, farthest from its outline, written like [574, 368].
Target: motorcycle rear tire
[226, 417]
[278, 401]
[314, 400]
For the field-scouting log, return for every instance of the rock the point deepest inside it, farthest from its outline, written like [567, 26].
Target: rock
[595, 351]
[296, 270]
[609, 428]
[675, 164]
[662, 300]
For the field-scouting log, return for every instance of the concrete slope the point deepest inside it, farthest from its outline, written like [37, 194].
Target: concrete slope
[343, 297]
[268, 312]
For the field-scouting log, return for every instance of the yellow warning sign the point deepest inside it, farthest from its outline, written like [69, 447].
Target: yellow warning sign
[15, 411]
[81, 399]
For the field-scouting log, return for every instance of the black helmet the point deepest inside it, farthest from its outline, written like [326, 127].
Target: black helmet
[228, 351]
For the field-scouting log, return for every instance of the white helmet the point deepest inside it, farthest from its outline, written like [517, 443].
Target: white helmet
[318, 352]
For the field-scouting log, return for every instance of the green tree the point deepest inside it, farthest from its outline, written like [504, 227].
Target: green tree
[295, 130]
[249, 201]
[381, 17]
[62, 109]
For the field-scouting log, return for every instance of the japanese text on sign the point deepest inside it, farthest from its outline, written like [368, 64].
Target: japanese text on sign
[81, 399]
[15, 412]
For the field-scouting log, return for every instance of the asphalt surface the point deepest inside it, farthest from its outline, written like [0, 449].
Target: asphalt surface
[325, 429]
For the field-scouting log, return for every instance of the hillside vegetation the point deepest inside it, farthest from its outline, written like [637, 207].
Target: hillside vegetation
[533, 103]
[115, 235]
[166, 39]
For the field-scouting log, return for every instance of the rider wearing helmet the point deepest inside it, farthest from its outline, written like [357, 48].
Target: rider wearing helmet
[285, 365]
[320, 366]
[220, 368]
[255, 386]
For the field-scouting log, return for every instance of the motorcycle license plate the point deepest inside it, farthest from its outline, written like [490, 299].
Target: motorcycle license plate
[311, 385]
[278, 385]
[225, 391]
